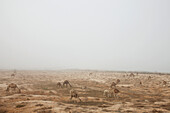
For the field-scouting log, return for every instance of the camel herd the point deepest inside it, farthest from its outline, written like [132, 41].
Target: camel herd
[66, 83]
[112, 90]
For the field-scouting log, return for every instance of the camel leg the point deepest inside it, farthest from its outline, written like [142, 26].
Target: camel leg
[19, 91]
[114, 95]
[14, 89]
[79, 98]
[7, 89]
[70, 85]
[71, 97]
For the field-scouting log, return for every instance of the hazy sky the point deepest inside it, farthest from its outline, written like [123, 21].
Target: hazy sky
[130, 35]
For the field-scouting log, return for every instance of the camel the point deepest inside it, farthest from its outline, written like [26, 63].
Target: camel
[13, 86]
[108, 93]
[74, 94]
[164, 83]
[66, 83]
[131, 75]
[90, 74]
[59, 85]
[117, 81]
[111, 92]
[13, 75]
[114, 84]
[116, 91]
[149, 77]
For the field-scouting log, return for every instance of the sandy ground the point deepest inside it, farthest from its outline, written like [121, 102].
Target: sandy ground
[40, 94]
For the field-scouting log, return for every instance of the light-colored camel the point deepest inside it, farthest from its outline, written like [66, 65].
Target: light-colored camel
[74, 94]
[66, 83]
[108, 93]
[14, 87]
[111, 92]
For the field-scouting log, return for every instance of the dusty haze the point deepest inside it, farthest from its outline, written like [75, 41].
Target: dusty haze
[100, 34]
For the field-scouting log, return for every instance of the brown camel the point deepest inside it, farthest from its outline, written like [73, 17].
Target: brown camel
[14, 87]
[74, 94]
[59, 85]
[114, 84]
[149, 77]
[164, 83]
[66, 83]
[90, 74]
[13, 75]
[117, 81]
[131, 75]
[116, 91]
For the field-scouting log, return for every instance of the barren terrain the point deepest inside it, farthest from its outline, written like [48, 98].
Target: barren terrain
[40, 94]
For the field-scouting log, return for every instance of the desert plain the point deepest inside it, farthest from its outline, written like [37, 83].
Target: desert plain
[140, 93]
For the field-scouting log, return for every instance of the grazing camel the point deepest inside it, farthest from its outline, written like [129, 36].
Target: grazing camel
[149, 77]
[66, 83]
[117, 81]
[131, 75]
[164, 83]
[74, 94]
[90, 74]
[114, 84]
[13, 86]
[59, 85]
[116, 91]
[13, 75]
